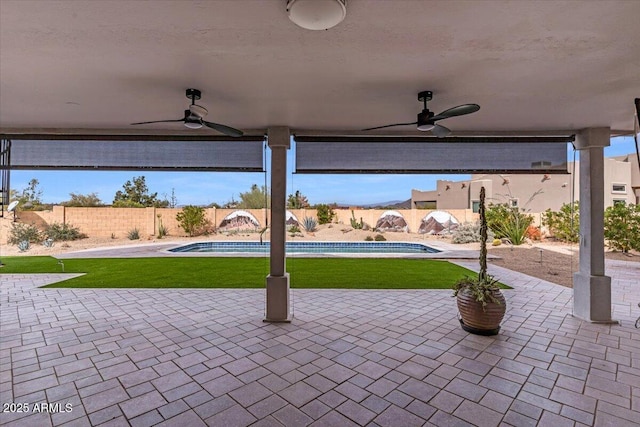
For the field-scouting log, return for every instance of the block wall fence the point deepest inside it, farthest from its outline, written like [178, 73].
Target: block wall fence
[108, 221]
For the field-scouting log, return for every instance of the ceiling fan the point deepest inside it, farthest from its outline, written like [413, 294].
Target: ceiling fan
[427, 119]
[194, 117]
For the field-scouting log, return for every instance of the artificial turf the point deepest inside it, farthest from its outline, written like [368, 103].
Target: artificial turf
[228, 272]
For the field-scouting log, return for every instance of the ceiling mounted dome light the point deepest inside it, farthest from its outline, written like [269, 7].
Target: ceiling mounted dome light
[317, 14]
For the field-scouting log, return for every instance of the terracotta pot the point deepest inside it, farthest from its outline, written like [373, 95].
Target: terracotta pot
[477, 320]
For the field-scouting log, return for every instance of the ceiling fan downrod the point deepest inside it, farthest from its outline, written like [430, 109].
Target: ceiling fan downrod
[194, 95]
[425, 96]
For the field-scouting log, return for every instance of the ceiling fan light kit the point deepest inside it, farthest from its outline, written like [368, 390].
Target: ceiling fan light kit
[425, 127]
[192, 124]
[317, 14]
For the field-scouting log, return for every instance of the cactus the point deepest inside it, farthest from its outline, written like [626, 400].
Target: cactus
[354, 223]
[482, 275]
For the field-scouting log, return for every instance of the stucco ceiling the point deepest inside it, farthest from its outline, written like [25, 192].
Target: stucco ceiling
[531, 65]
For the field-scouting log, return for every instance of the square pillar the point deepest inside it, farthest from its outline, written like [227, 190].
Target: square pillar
[278, 309]
[591, 288]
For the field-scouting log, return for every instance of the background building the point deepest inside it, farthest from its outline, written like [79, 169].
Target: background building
[533, 192]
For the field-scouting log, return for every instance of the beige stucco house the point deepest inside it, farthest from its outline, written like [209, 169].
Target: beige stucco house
[533, 192]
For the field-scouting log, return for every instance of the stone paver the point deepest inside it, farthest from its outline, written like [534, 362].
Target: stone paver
[379, 358]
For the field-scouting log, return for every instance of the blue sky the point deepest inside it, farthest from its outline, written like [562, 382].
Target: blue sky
[201, 188]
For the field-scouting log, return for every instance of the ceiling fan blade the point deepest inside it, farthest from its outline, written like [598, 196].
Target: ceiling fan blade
[460, 110]
[440, 131]
[388, 126]
[229, 131]
[158, 121]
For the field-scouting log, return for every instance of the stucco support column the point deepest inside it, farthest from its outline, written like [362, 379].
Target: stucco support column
[591, 288]
[278, 278]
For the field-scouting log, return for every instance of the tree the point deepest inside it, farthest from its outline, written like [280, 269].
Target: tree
[136, 194]
[192, 220]
[83, 200]
[231, 204]
[31, 197]
[172, 200]
[256, 198]
[297, 201]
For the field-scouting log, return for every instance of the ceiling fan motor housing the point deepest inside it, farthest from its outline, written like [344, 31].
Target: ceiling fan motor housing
[423, 120]
[191, 121]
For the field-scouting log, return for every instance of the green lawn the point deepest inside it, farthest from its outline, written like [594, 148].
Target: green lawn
[347, 273]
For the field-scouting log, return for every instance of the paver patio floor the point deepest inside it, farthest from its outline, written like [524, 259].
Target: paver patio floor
[378, 358]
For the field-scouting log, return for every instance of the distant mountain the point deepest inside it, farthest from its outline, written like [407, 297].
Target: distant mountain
[393, 204]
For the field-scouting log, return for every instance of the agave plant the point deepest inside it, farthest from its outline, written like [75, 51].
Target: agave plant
[310, 224]
[24, 245]
[133, 234]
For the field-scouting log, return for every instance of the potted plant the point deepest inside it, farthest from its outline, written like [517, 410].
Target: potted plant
[480, 302]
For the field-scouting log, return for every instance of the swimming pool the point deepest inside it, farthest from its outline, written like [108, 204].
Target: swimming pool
[310, 247]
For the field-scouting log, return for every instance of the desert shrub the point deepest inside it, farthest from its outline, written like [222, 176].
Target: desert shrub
[293, 229]
[497, 214]
[469, 233]
[63, 232]
[133, 234]
[193, 221]
[325, 213]
[622, 227]
[368, 239]
[466, 233]
[379, 238]
[564, 224]
[24, 245]
[310, 224]
[508, 223]
[24, 232]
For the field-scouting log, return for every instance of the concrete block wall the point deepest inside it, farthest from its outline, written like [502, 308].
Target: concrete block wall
[413, 217]
[105, 222]
[108, 221]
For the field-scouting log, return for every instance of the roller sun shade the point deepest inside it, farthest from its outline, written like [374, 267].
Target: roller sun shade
[350, 155]
[162, 154]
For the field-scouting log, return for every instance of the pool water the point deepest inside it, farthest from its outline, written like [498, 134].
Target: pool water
[310, 247]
